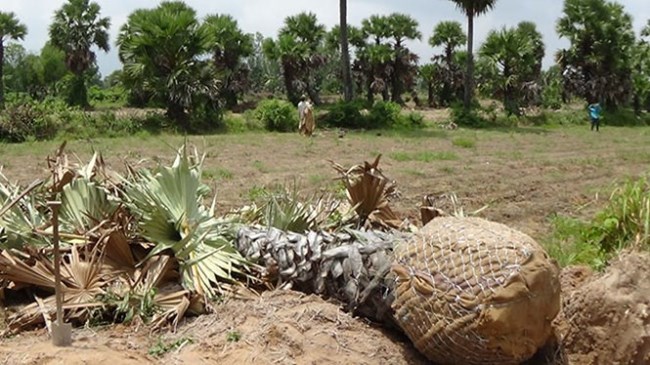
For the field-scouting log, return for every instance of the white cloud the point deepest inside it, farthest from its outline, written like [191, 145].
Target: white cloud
[266, 16]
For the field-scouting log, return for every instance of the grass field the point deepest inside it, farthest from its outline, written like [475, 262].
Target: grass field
[523, 175]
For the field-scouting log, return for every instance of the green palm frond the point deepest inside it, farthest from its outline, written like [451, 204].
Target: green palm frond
[84, 205]
[18, 223]
[168, 206]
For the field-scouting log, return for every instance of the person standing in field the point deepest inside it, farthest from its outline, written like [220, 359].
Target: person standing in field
[306, 116]
[594, 114]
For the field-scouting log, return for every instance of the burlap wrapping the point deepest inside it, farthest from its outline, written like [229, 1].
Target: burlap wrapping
[470, 291]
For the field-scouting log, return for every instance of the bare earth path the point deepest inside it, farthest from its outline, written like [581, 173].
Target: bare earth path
[524, 176]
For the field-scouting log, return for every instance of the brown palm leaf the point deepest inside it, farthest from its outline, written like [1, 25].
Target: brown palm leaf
[370, 191]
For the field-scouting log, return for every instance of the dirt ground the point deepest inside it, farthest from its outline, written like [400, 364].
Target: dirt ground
[523, 176]
[282, 327]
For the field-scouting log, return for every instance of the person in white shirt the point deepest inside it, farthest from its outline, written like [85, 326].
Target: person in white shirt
[306, 116]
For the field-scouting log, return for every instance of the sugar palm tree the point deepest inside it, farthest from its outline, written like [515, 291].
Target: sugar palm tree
[449, 35]
[402, 28]
[229, 46]
[77, 28]
[10, 28]
[299, 49]
[472, 9]
[160, 49]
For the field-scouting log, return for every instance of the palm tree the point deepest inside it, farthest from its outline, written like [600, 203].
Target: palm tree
[436, 285]
[160, 49]
[514, 56]
[472, 9]
[402, 27]
[299, 49]
[428, 73]
[77, 27]
[10, 28]
[229, 45]
[348, 91]
[598, 63]
[450, 35]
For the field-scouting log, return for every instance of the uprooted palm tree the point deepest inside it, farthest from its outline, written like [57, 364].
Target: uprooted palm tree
[464, 290]
[451, 287]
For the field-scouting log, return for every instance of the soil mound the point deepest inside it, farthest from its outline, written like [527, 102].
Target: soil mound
[606, 319]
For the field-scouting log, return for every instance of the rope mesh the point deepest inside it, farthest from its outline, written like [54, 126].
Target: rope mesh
[469, 291]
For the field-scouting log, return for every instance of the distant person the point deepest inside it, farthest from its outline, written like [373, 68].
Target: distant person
[306, 115]
[594, 114]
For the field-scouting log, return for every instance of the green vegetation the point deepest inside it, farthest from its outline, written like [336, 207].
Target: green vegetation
[160, 348]
[464, 142]
[277, 116]
[233, 336]
[623, 223]
[424, 156]
[184, 72]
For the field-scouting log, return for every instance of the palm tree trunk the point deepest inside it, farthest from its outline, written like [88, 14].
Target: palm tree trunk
[176, 112]
[2, 84]
[348, 91]
[469, 75]
[430, 93]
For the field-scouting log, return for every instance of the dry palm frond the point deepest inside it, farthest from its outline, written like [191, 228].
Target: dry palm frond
[83, 280]
[30, 270]
[369, 191]
[428, 209]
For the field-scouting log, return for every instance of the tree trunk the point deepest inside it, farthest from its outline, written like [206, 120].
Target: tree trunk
[637, 105]
[348, 91]
[2, 84]
[430, 93]
[397, 76]
[288, 84]
[469, 75]
[78, 94]
[371, 95]
[176, 112]
[313, 95]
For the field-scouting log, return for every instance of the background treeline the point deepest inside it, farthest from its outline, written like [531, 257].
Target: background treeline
[187, 72]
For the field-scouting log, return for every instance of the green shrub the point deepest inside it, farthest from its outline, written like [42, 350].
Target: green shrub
[112, 96]
[346, 115]
[25, 121]
[384, 114]
[411, 120]
[238, 123]
[277, 115]
[471, 118]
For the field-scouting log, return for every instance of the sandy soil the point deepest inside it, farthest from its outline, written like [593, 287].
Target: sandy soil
[282, 327]
[524, 176]
[606, 317]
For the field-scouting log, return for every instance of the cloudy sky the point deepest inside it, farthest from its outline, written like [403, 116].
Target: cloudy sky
[266, 16]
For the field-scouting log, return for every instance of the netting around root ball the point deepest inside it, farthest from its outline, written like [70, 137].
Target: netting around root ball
[470, 291]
